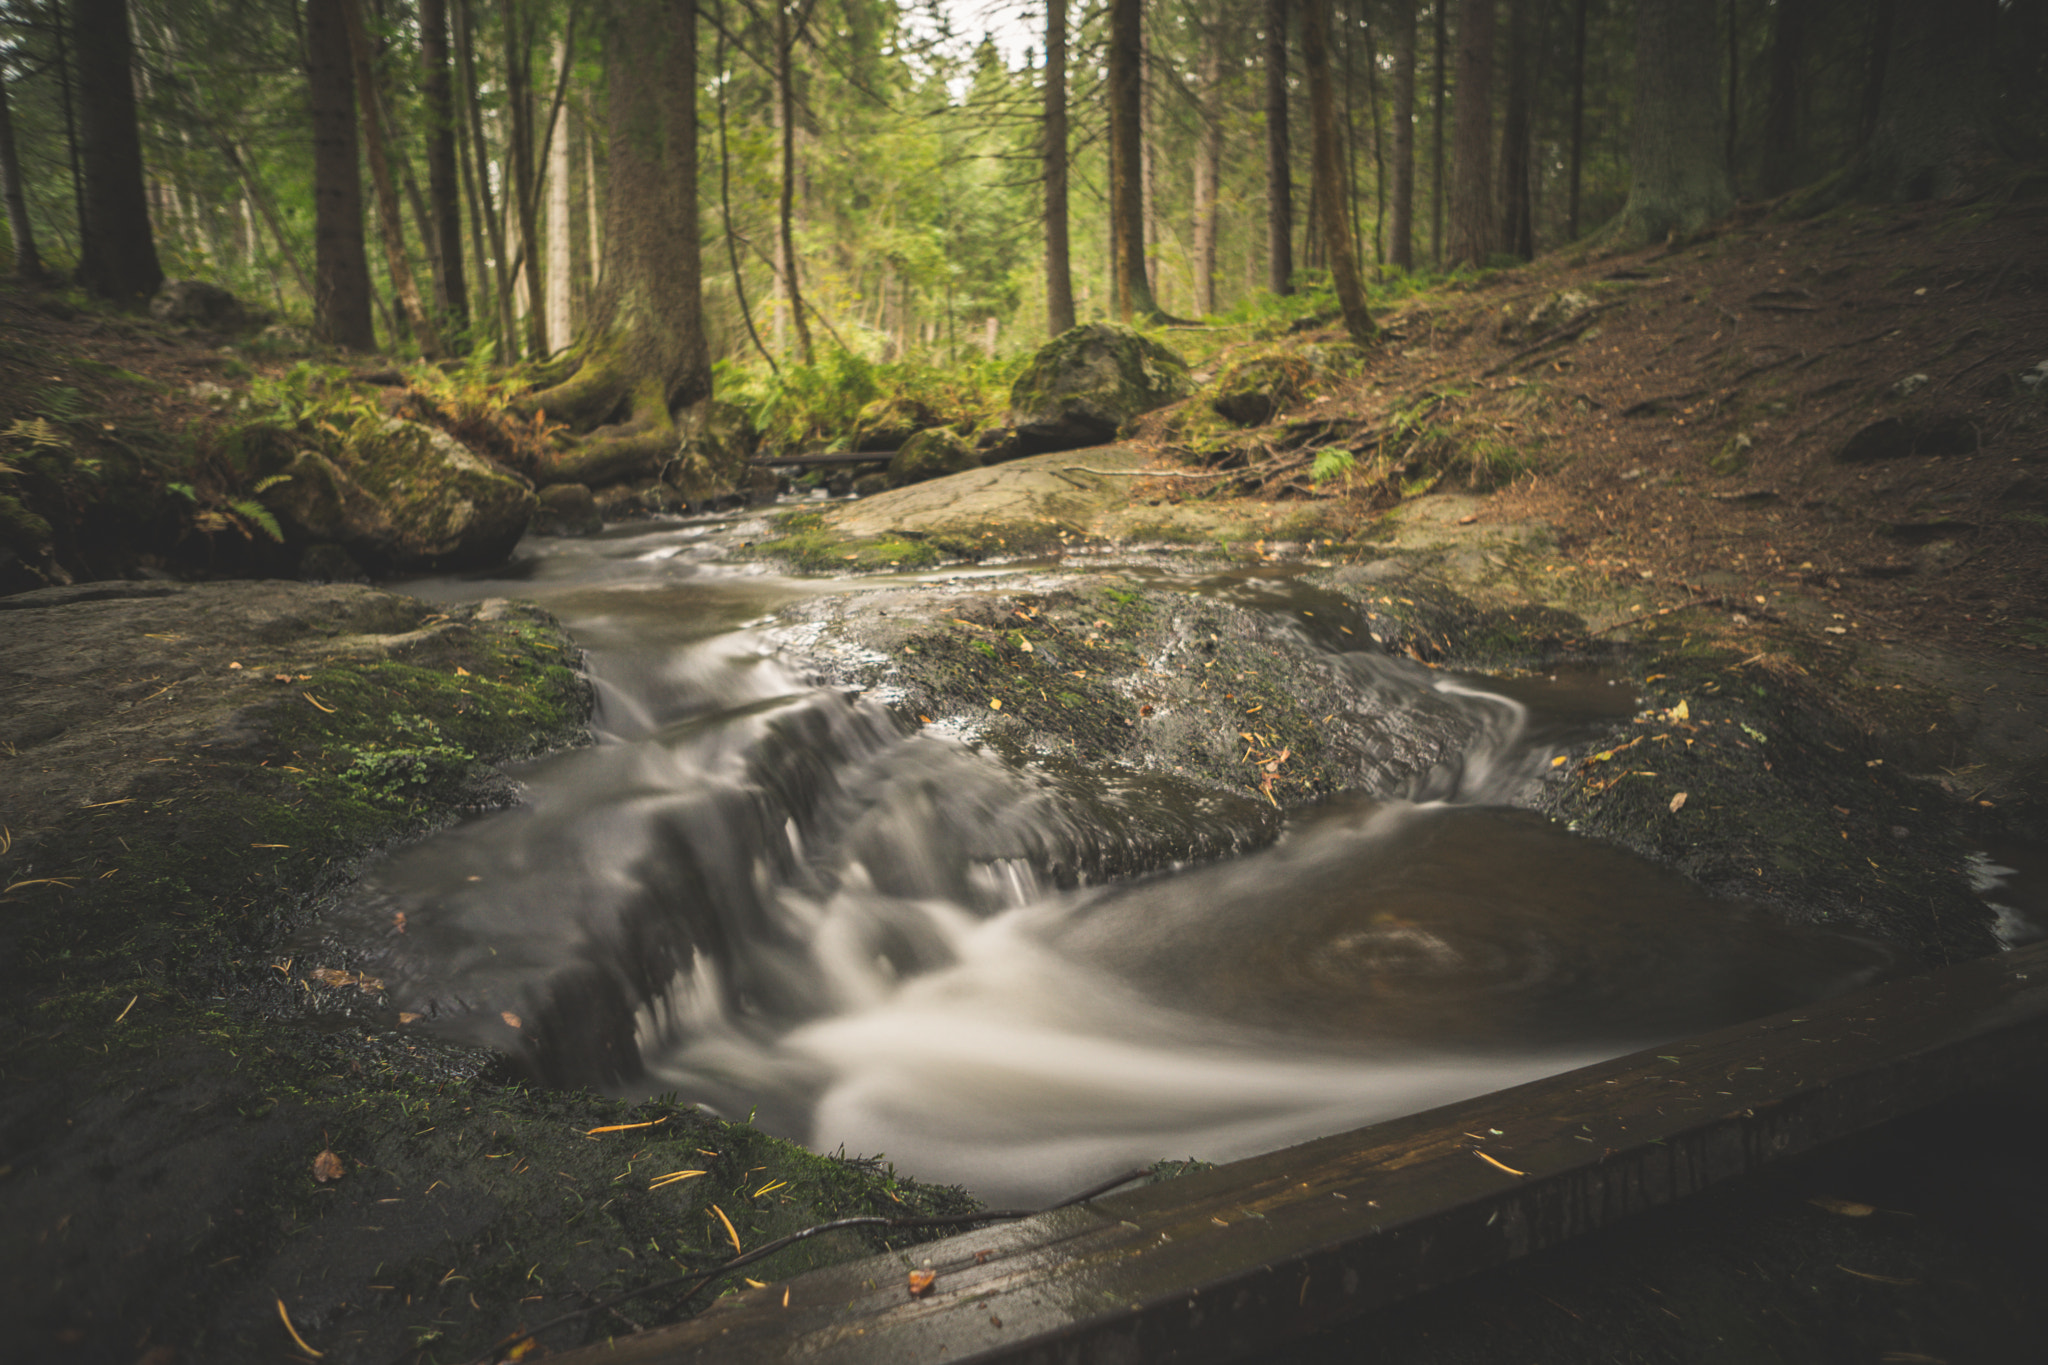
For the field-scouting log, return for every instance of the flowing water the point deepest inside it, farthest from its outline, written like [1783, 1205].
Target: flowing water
[774, 898]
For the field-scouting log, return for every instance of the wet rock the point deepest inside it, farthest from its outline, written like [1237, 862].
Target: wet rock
[1084, 384]
[622, 502]
[399, 496]
[1935, 432]
[566, 509]
[930, 455]
[867, 485]
[203, 306]
[998, 443]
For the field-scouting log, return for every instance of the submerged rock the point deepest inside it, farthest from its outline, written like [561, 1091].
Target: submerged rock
[1084, 384]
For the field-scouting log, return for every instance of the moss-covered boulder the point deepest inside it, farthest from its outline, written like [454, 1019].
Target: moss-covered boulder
[887, 422]
[204, 307]
[931, 455]
[1086, 383]
[1553, 312]
[397, 495]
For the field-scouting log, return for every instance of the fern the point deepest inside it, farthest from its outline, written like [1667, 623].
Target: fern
[39, 432]
[260, 516]
[183, 490]
[265, 485]
[61, 404]
[1332, 463]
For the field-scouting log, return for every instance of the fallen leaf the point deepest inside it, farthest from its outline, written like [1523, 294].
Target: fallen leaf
[1560, 760]
[408, 1017]
[1681, 711]
[511, 1019]
[1678, 803]
[921, 1282]
[1025, 645]
[461, 672]
[1467, 521]
[1848, 1208]
[995, 703]
[327, 1166]
[398, 922]
[1146, 709]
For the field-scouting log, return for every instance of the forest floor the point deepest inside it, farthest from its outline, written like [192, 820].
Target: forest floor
[1697, 436]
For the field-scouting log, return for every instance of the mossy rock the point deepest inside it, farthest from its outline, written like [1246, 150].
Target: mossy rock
[398, 495]
[1555, 310]
[1086, 383]
[931, 455]
[567, 509]
[889, 422]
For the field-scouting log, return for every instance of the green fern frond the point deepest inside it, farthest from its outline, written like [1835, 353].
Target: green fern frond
[38, 431]
[265, 485]
[258, 515]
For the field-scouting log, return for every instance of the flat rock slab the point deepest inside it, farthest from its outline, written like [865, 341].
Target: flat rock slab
[1045, 490]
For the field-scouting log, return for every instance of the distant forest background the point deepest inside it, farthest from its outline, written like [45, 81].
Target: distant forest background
[895, 170]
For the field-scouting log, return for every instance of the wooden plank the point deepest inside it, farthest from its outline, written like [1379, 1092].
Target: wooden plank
[1225, 1264]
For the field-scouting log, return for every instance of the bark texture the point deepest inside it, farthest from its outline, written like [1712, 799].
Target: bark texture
[1678, 171]
[1517, 206]
[392, 228]
[1401, 230]
[643, 354]
[1208, 168]
[1059, 278]
[443, 191]
[1472, 220]
[1331, 194]
[117, 251]
[1132, 284]
[1279, 176]
[341, 271]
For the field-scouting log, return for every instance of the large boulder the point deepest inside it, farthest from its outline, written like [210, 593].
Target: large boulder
[1255, 389]
[1084, 384]
[397, 495]
[203, 306]
[931, 455]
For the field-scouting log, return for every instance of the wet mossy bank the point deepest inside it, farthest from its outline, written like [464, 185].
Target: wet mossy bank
[189, 774]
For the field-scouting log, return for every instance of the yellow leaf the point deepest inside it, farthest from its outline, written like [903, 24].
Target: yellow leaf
[995, 704]
[1678, 803]
[1560, 760]
[1681, 711]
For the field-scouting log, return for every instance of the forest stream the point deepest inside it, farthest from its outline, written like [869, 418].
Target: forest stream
[781, 899]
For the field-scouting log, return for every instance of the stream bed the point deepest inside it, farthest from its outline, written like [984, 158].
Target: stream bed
[782, 898]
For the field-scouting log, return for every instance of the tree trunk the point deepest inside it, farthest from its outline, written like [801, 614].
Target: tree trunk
[388, 219]
[1132, 287]
[1933, 135]
[1472, 220]
[341, 270]
[443, 191]
[643, 354]
[1208, 168]
[479, 164]
[1734, 82]
[1401, 234]
[1327, 158]
[519, 194]
[561, 235]
[1781, 107]
[117, 251]
[1436, 135]
[1059, 278]
[785, 95]
[1578, 134]
[1678, 175]
[28, 265]
[1279, 172]
[1518, 219]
